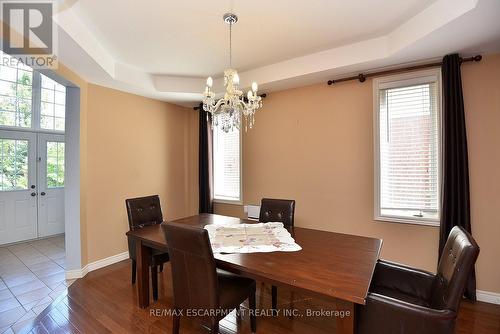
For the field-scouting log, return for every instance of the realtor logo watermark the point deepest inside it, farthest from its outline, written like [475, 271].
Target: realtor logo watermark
[28, 33]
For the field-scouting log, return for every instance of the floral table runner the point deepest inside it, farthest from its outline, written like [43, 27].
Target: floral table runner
[251, 238]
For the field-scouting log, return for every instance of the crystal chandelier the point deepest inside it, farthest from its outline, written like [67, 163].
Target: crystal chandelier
[228, 111]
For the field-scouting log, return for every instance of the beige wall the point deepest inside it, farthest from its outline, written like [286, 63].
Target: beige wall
[315, 144]
[130, 146]
[135, 147]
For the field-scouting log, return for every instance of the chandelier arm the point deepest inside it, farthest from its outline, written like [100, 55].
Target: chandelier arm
[219, 103]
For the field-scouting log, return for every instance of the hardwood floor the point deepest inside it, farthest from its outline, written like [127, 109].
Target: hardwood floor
[105, 302]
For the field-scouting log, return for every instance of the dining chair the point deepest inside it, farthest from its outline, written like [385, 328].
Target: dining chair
[197, 284]
[402, 299]
[277, 210]
[146, 211]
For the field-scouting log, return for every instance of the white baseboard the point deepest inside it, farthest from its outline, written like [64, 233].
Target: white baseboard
[488, 297]
[79, 273]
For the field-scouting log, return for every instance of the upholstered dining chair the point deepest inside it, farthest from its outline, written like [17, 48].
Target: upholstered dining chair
[277, 210]
[197, 284]
[145, 211]
[407, 300]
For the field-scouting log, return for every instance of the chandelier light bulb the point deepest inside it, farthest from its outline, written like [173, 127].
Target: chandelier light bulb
[236, 79]
[249, 94]
[254, 87]
[210, 82]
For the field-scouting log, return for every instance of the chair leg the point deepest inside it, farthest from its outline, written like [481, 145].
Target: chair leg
[252, 307]
[161, 268]
[154, 281]
[274, 298]
[215, 327]
[134, 271]
[176, 324]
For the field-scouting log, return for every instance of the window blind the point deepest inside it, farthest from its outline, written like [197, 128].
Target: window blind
[409, 151]
[226, 154]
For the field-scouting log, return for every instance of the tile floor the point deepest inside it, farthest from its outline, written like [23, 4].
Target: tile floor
[32, 275]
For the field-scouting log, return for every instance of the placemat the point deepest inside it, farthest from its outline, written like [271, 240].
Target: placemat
[251, 238]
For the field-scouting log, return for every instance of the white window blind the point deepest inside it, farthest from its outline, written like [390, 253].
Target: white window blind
[226, 160]
[409, 141]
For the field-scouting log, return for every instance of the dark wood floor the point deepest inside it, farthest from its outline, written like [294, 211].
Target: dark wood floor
[105, 302]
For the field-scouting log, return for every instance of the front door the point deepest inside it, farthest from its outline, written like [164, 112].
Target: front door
[50, 184]
[18, 193]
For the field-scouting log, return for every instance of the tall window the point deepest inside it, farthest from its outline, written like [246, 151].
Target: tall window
[408, 148]
[53, 105]
[15, 95]
[227, 165]
[29, 99]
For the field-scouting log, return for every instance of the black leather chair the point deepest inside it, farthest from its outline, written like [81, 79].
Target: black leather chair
[277, 210]
[145, 211]
[411, 301]
[197, 284]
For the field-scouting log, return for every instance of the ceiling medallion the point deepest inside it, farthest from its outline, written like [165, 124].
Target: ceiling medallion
[227, 112]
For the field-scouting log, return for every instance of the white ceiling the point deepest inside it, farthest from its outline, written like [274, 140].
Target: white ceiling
[190, 38]
[165, 49]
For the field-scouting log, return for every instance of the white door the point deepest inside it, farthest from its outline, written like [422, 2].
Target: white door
[18, 193]
[50, 184]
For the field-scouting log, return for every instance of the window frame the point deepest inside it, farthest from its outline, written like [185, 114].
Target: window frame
[238, 201]
[394, 81]
[36, 95]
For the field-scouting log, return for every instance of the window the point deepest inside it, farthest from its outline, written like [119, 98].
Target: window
[407, 150]
[55, 164]
[227, 165]
[13, 164]
[29, 99]
[53, 105]
[15, 95]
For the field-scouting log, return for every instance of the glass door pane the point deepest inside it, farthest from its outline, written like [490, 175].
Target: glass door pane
[55, 164]
[13, 164]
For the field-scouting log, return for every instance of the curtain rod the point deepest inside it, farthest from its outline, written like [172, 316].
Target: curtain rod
[261, 95]
[362, 77]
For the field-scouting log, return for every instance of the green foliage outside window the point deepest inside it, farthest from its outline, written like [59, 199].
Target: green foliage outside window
[55, 164]
[15, 97]
[13, 164]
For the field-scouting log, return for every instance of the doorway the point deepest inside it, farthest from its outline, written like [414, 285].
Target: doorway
[32, 153]
[31, 185]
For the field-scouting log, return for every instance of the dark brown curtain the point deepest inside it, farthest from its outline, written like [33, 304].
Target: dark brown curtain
[205, 163]
[456, 200]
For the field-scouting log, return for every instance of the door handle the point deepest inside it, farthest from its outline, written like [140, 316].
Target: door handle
[33, 194]
[42, 193]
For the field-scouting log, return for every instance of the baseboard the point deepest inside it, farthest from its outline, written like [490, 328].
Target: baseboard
[488, 297]
[79, 273]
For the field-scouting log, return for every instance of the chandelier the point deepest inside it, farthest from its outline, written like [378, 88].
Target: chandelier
[228, 112]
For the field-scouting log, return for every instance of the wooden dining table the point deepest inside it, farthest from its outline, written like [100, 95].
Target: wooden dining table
[333, 265]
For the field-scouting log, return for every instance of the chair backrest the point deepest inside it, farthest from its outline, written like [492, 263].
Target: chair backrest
[455, 265]
[194, 275]
[277, 210]
[143, 211]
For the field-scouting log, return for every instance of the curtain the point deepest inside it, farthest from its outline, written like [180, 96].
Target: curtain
[456, 200]
[205, 163]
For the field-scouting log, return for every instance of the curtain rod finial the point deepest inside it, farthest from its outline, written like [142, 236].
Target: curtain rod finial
[477, 58]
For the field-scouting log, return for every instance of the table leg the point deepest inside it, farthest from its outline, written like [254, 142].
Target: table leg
[143, 256]
[345, 325]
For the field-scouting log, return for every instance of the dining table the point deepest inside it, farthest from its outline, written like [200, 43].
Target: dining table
[330, 265]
